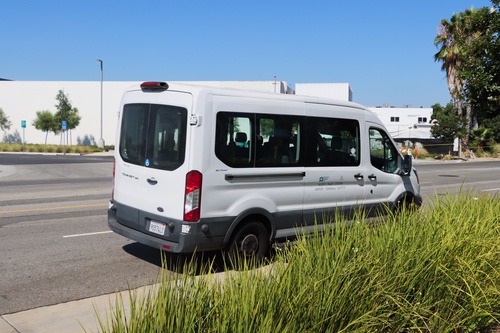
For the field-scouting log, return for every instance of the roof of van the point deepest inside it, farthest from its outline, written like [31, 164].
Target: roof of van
[199, 89]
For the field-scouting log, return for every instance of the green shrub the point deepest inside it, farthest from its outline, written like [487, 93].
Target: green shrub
[84, 149]
[495, 151]
[435, 270]
[16, 147]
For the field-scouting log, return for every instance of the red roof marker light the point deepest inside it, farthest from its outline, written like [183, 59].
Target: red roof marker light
[154, 85]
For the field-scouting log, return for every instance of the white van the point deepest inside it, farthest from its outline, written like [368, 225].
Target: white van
[200, 168]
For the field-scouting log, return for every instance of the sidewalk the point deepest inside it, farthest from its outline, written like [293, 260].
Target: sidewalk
[434, 161]
[75, 316]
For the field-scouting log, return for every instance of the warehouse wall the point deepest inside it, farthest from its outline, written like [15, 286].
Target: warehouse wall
[20, 100]
[340, 91]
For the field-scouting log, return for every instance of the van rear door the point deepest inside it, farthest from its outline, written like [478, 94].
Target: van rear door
[151, 156]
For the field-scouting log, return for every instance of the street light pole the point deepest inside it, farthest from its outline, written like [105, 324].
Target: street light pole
[100, 143]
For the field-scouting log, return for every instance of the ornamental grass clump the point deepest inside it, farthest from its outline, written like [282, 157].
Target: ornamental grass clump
[433, 270]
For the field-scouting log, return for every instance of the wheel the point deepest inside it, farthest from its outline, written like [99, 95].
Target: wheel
[407, 203]
[251, 240]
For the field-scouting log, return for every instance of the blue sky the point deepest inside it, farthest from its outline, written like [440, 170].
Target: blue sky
[384, 49]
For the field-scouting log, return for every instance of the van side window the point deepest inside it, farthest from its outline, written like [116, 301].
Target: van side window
[233, 139]
[256, 140]
[383, 154]
[332, 142]
[153, 135]
[277, 141]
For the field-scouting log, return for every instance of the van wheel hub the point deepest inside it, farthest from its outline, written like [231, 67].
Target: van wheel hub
[249, 244]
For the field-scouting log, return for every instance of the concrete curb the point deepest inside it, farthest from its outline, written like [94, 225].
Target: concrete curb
[104, 153]
[38, 153]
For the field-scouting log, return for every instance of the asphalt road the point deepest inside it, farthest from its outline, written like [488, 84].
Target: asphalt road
[55, 244]
[442, 178]
[54, 241]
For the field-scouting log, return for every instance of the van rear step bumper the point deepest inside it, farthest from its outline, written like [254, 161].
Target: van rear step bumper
[194, 241]
[140, 237]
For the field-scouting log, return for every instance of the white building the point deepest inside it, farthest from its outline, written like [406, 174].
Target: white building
[340, 91]
[402, 123]
[20, 100]
[406, 123]
[275, 87]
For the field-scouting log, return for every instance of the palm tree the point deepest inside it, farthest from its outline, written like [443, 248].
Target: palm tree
[453, 37]
[450, 54]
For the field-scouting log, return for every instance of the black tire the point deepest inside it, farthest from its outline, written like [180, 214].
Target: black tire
[251, 240]
[407, 203]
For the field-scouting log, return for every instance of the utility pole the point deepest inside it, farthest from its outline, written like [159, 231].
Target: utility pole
[100, 143]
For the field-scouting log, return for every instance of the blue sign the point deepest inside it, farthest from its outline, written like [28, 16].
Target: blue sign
[64, 125]
[23, 123]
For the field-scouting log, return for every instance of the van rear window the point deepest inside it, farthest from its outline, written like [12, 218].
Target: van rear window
[153, 135]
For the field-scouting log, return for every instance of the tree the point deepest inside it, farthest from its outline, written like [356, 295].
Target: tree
[4, 121]
[65, 112]
[469, 48]
[481, 67]
[451, 54]
[44, 122]
[482, 138]
[449, 124]
[494, 125]
[73, 121]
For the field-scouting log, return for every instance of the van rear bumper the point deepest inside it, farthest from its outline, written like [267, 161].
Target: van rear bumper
[190, 236]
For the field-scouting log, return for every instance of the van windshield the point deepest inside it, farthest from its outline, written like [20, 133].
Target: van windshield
[153, 135]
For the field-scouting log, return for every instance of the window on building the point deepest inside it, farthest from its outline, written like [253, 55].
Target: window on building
[394, 119]
[422, 120]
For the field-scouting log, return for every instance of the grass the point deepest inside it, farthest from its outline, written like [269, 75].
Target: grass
[40, 148]
[491, 151]
[434, 270]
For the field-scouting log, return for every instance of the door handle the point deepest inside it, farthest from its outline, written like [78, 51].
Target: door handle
[358, 176]
[152, 181]
[372, 177]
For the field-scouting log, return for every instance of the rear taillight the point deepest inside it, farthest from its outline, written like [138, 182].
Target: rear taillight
[192, 198]
[113, 184]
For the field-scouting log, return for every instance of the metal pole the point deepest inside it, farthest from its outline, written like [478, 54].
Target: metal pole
[101, 140]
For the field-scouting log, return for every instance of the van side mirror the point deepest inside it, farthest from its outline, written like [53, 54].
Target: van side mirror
[407, 165]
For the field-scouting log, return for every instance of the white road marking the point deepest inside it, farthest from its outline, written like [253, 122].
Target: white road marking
[491, 190]
[88, 234]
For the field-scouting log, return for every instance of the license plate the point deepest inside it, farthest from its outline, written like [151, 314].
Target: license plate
[157, 227]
